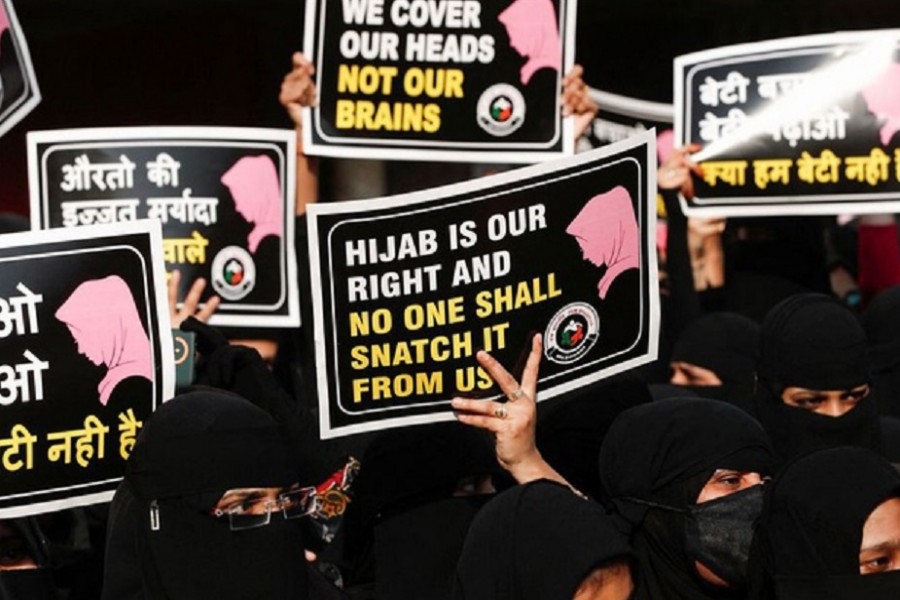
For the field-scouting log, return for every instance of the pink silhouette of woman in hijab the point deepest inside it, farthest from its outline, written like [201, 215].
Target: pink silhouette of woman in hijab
[883, 99]
[607, 231]
[253, 182]
[4, 19]
[103, 319]
[4, 25]
[533, 33]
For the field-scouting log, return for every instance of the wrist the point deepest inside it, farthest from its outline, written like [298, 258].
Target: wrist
[529, 467]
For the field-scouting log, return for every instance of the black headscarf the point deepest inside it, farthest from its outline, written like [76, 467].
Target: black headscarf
[404, 529]
[881, 321]
[536, 542]
[570, 434]
[808, 539]
[815, 342]
[728, 345]
[664, 453]
[192, 450]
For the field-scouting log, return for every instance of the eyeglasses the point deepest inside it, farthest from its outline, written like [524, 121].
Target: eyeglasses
[254, 513]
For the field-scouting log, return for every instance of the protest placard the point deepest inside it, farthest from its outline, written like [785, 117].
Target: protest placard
[619, 117]
[802, 125]
[19, 92]
[225, 197]
[439, 80]
[85, 358]
[407, 289]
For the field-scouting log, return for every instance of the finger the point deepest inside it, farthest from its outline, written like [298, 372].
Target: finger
[687, 190]
[299, 60]
[574, 73]
[489, 423]
[208, 309]
[311, 96]
[193, 296]
[497, 372]
[532, 366]
[586, 106]
[174, 281]
[481, 407]
[294, 87]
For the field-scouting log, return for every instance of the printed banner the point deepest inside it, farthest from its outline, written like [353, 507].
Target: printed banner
[620, 117]
[85, 357]
[19, 92]
[225, 197]
[795, 126]
[440, 79]
[407, 289]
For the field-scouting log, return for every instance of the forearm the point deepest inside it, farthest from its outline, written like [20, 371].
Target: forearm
[534, 467]
[307, 177]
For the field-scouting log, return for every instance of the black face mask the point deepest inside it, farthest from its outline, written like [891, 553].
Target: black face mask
[27, 584]
[719, 533]
[189, 554]
[840, 587]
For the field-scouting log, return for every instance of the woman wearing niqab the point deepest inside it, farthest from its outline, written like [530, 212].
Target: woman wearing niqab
[164, 539]
[727, 344]
[656, 462]
[416, 495]
[810, 535]
[814, 343]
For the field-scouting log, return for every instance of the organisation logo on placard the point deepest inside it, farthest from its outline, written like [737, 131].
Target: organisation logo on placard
[233, 273]
[501, 109]
[572, 331]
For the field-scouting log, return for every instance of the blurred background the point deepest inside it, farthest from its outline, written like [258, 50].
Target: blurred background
[104, 63]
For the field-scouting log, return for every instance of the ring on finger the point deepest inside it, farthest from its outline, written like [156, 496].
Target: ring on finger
[500, 412]
[517, 394]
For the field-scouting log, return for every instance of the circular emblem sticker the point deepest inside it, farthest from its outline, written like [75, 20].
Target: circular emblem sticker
[501, 109]
[233, 273]
[571, 333]
[182, 349]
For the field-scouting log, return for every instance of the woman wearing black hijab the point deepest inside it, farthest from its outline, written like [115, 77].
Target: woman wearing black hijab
[881, 321]
[813, 378]
[541, 542]
[830, 529]
[571, 431]
[200, 512]
[417, 491]
[715, 357]
[685, 475]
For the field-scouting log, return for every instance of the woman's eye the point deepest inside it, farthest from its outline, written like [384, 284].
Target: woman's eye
[236, 507]
[12, 556]
[876, 565]
[730, 480]
[808, 402]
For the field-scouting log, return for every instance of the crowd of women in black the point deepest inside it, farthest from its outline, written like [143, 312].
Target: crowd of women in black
[755, 459]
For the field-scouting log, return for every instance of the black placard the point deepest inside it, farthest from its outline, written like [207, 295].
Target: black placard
[19, 92]
[85, 357]
[408, 288]
[439, 79]
[225, 198]
[802, 125]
